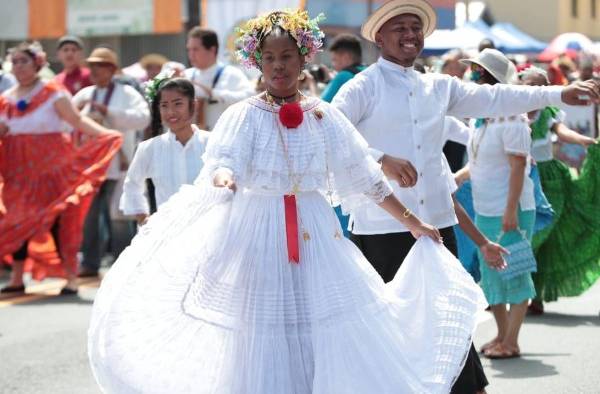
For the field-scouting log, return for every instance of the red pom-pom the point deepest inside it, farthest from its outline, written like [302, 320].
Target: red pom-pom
[291, 115]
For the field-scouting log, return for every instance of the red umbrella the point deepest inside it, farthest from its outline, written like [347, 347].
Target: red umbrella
[570, 44]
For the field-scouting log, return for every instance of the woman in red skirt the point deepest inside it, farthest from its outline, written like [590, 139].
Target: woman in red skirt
[45, 181]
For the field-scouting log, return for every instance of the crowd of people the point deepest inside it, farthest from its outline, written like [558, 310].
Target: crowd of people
[411, 155]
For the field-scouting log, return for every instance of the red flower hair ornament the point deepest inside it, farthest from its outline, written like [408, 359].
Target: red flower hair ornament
[291, 115]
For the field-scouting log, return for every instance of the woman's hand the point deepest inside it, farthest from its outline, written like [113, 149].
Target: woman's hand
[492, 254]
[224, 179]
[509, 220]
[417, 228]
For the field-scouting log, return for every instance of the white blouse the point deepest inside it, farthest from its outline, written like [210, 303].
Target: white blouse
[402, 113]
[489, 148]
[541, 149]
[42, 120]
[168, 163]
[325, 153]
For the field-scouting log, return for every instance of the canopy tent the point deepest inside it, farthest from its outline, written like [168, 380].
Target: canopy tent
[505, 36]
[516, 41]
[570, 44]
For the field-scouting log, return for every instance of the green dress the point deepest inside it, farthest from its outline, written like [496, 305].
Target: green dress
[567, 251]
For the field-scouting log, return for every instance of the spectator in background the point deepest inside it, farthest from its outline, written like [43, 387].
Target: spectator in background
[586, 69]
[486, 43]
[120, 107]
[217, 85]
[6, 79]
[74, 76]
[346, 59]
[153, 64]
[451, 63]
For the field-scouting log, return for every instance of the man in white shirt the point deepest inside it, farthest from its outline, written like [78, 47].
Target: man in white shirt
[401, 113]
[119, 107]
[217, 85]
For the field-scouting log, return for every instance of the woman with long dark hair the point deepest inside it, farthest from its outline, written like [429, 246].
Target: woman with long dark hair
[172, 158]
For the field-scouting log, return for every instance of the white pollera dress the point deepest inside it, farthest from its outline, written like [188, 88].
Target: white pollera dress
[205, 299]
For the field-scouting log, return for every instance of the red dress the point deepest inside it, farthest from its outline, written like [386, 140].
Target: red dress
[45, 178]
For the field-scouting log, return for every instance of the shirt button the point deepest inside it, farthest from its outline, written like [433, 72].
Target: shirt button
[420, 174]
[418, 146]
[416, 121]
[410, 94]
[421, 202]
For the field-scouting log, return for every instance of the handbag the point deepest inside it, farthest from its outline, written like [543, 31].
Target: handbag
[520, 260]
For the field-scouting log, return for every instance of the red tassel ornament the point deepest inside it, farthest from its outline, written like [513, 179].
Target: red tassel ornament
[291, 115]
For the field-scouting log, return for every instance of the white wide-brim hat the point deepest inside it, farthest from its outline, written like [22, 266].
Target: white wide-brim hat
[420, 8]
[494, 62]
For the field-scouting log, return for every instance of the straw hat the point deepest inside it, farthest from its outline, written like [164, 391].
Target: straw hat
[494, 62]
[420, 8]
[103, 55]
[153, 58]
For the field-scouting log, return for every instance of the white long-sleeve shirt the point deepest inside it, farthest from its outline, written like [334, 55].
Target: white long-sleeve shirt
[168, 163]
[232, 86]
[402, 113]
[127, 112]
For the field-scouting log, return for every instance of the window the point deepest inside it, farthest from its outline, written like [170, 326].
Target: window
[593, 5]
[574, 8]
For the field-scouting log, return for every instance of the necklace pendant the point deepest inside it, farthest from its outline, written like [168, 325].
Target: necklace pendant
[306, 236]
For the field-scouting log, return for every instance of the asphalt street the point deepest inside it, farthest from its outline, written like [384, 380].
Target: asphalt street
[43, 346]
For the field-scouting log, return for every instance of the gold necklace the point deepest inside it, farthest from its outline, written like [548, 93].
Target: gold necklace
[475, 147]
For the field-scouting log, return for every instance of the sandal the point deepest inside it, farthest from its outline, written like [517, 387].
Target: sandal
[499, 352]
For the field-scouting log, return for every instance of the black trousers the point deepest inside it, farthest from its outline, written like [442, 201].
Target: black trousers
[386, 252]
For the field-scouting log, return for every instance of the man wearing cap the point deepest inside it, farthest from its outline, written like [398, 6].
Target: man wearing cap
[401, 114]
[119, 107]
[217, 85]
[74, 76]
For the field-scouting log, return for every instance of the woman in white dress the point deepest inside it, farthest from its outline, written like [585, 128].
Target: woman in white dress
[249, 287]
[171, 159]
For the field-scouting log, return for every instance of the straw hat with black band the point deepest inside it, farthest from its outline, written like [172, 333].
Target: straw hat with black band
[421, 8]
[495, 63]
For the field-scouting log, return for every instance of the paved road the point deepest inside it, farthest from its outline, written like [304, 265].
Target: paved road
[43, 342]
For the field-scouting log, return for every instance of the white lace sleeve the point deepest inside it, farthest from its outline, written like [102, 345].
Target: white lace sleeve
[355, 175]
[230, 145]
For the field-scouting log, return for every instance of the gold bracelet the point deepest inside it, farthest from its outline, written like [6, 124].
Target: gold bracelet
[407, 213]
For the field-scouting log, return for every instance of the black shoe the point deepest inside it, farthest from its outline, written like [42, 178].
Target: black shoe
[65, 291]
[13, 289]
[88, 273]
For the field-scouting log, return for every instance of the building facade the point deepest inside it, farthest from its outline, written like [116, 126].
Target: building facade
[545, 19]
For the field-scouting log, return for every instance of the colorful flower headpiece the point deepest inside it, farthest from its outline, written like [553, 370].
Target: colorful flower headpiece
[304, 31]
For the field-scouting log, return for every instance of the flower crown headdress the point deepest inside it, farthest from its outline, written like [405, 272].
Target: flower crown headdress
[305, 31]
[153, 86]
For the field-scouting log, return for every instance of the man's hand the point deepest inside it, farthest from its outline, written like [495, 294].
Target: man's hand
[581, 93]
[400, 170]
[492, 254]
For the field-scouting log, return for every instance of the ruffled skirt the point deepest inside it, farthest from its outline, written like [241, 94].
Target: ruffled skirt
[45, 177]
[568, 252]
[205, 301]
